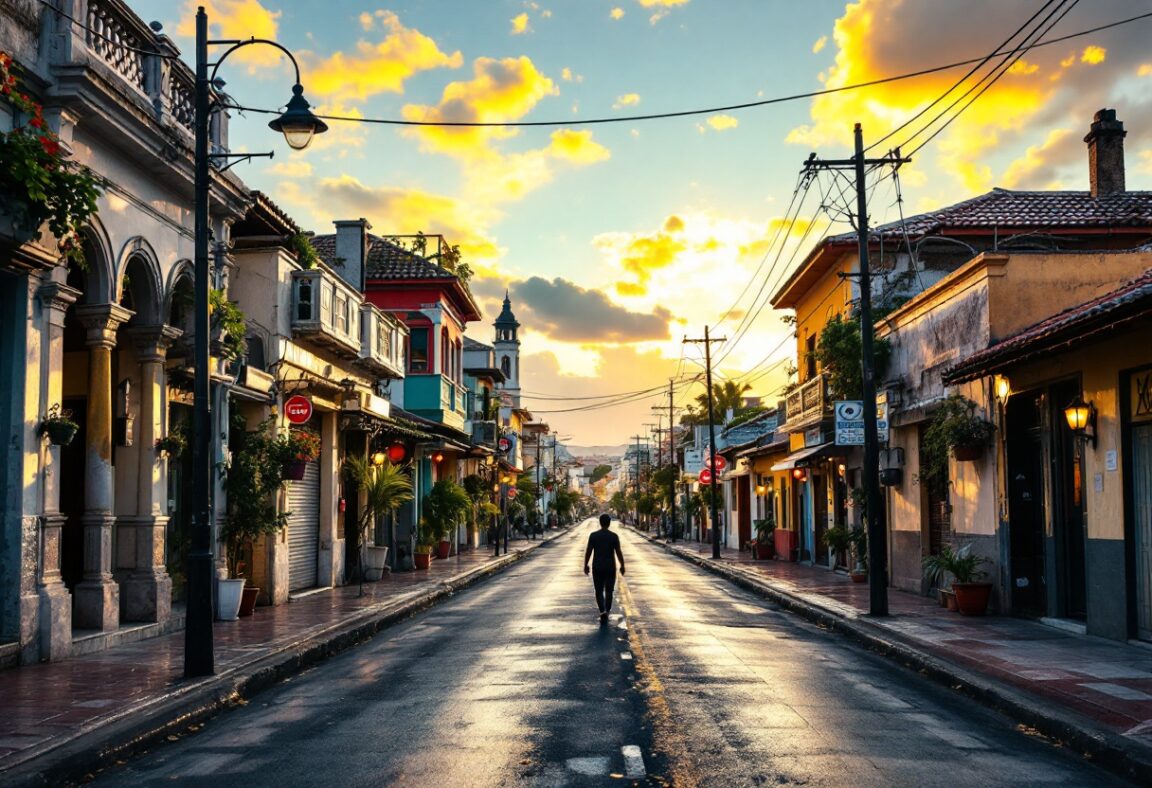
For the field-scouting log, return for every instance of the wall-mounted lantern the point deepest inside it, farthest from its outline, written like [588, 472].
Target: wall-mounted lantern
[1003, 388]
[1081, 418]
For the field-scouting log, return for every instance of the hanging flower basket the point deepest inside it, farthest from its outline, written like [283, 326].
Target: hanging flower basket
[294, 471]
[58, 426]
[968, 452]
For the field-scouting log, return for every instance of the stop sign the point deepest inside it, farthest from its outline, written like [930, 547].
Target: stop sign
[720, 463]
[504, 444]
[298, 409]
[705, 476]
[511, 492]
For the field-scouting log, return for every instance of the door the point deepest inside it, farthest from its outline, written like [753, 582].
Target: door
[1142, 512]
[304, 529]
[1068, 531]
[1026, 512]
[744, 509]
[819, 518]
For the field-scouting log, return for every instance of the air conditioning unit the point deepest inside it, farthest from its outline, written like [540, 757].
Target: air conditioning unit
[484, 432]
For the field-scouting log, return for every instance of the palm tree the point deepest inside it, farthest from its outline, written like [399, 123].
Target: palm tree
[385, 487]
[726, 396]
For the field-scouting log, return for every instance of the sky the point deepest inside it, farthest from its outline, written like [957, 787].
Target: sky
[615, 241]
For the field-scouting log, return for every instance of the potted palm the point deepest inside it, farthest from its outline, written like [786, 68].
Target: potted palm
[252, 477]
[384, 488]
[839, 540]
[444, 506]
[58, 426]
[765, 542]
[859, 551]
[963, 566]
[422, 554]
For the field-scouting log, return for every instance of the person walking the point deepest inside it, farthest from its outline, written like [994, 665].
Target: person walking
[603, 548]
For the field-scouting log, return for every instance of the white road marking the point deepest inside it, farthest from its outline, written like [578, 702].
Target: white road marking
[592, 767]
[633, 762]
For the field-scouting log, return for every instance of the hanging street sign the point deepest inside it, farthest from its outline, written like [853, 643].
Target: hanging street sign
[720, 463]
[511, 492]
[504, 444]
[298, 409]
[705, 476]
[849, 417]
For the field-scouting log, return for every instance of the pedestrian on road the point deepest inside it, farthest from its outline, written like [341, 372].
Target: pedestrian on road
[604, 549]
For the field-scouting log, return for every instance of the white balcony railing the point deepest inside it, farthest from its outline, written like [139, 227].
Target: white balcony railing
[381, 342]
[326, 310]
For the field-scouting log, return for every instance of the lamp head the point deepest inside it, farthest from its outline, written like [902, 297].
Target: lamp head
[378, 458]
[298, 124]
[1077, 414]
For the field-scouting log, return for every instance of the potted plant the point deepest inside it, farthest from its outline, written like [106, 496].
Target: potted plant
[838, 539]
[37, 183]
[384, 488]
[174, 444]
[963, 566]
[422, 554]
[444, 506]
[954, 428]
[859, 550]
[251, 479]
[297, 449]
[58, 426]
[765, 542]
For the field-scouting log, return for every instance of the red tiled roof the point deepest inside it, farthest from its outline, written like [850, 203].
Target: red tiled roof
[1100, 315]
[386, 260]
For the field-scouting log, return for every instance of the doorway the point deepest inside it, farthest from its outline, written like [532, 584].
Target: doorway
[1026, 511]
[1069, 534]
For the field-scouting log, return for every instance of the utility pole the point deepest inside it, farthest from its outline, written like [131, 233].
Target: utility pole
[672, 460]
[711, 435]
[873, 505]
[636, 482]
[540, 483]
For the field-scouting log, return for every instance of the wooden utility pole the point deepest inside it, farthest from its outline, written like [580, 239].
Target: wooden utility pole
[711, 434]
[672, 450]
[873, 504]
[636, 482]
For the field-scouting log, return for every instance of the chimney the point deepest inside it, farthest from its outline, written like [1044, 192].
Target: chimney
[1106, 154]
[352, 249]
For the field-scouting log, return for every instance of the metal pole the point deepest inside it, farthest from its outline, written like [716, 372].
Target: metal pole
[198, 651]
[877, 529]
[711, 445]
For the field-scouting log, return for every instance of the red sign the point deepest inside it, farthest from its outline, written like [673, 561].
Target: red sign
[298, 409]
[705, 476]
[504, 444]
[720, 463]
[511, 492]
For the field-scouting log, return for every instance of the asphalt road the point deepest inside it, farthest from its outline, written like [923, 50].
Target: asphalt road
[514, 682]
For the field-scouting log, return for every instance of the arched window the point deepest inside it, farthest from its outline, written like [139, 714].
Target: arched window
[506, 366]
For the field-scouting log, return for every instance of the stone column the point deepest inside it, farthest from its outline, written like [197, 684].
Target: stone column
[148, 589]
[97, 596]
[55, 603]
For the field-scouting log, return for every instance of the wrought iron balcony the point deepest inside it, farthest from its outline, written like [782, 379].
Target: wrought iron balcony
[807, 405]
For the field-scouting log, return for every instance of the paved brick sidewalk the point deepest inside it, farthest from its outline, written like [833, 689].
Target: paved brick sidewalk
[1093, 693]
[55, 715]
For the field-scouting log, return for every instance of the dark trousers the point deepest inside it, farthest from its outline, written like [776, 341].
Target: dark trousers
[604, 580]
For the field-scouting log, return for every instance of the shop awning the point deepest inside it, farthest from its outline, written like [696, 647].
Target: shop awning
[804, 457]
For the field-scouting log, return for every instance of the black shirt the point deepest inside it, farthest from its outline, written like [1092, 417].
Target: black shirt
[602, 544]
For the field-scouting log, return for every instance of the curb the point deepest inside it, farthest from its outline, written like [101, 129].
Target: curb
[1103, 747]
[91, 749]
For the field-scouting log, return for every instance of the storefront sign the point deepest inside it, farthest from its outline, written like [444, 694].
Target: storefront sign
[298, 409]
[849, 415]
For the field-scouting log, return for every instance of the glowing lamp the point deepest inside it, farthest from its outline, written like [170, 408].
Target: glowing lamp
[1003, 388]
[437, 457]
[378, 458]
[1081, 418]
[397, 452]
[298, 124]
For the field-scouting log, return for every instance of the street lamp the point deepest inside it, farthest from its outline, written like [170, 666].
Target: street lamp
[299, 125]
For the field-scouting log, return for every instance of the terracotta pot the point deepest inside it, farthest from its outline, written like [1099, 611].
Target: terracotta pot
[949, 599]
[972, 598]
[858, 577]
[968, 453]
[422, 560]
[785, 543]
[248, 600]
[444, 549]
[294, 471]
[765, 550]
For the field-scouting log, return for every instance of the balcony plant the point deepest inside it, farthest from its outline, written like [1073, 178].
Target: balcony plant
[384, 489]
[38, 183]
[954, 428]
[58, 426]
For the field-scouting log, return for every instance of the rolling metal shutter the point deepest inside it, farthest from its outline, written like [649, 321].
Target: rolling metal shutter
[304, 529]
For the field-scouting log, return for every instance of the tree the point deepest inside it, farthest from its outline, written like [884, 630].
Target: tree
[618, 503]
[600, 472]
[726, 396]
[838, 352]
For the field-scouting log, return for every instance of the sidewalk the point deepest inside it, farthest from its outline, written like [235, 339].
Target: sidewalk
[1094, 695]
[61, 719]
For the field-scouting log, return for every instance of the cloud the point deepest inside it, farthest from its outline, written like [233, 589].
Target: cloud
[577, 147]
[821, 42]
[719, 123]
[377, 67]
[1039, 167]
[520, 25]
[290, 169]
[616, 13]
[568, 75]
[567, 312]
[880, 38]
[627, 100]
[500, 90]
[237, 19]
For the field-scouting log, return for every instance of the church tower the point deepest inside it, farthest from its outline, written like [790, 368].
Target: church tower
[507, 347]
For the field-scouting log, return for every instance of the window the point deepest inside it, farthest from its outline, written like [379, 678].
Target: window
[303, 299]
[340, 307]
[506, 367]
[255, 354]
[418, 350]
[810, 358]
[445, 357]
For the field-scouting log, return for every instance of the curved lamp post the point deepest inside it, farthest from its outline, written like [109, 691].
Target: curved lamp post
[298, 125]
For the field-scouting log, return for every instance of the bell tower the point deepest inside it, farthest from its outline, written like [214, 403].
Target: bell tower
[507, 347]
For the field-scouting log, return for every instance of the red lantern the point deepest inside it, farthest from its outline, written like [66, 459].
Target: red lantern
[800, 474]
[396, 453]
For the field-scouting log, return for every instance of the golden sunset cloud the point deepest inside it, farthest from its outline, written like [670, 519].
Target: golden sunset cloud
[377, 67]
[237, 19]
[627, 100]
[722, 122]
[577, 147]
[616, 13]
[520, 25]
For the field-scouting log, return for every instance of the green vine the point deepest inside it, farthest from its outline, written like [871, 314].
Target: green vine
[954, 424]
[839, 354]
[228, 326]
